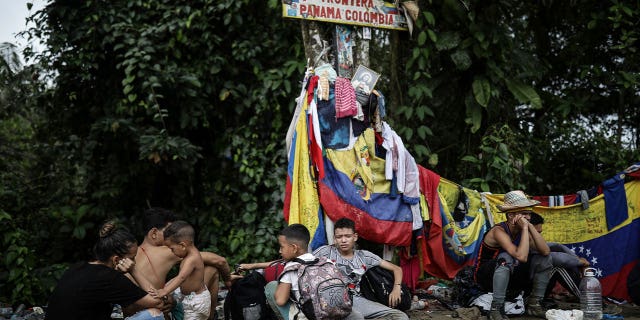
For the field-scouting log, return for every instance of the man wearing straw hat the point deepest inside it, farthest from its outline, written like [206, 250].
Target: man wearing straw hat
[504, 263]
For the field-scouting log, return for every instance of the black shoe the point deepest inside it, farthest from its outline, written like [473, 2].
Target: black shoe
[536, 310]
[497, 315]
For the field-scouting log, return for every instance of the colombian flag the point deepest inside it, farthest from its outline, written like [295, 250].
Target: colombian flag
[354, 187]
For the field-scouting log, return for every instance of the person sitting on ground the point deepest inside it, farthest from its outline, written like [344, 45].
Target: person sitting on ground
[155, 260]
[89, 290]
[353, 263]
[567, 266]
[294, 243]
[505, 260]
[189, 284]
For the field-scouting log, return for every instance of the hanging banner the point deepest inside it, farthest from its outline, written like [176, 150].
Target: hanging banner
[368, 13]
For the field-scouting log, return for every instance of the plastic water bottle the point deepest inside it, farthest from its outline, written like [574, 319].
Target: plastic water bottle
[591, 295]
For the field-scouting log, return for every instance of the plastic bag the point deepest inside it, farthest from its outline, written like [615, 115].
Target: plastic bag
[557, 314]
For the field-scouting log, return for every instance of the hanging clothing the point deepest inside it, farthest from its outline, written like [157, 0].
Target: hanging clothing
[346, 105]
[335, 132]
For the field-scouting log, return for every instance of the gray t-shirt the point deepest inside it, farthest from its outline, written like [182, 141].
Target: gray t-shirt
[353, 268]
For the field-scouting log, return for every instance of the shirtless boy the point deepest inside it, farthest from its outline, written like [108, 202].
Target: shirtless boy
[155, 260]
[189, 284]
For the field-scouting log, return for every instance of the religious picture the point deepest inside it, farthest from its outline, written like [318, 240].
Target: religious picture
[365, 79]
[344, 43]
[366, 33]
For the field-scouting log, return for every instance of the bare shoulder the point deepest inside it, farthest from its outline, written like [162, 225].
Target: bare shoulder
[491, 239]
[160, 258]
[161, 254]
[194, 259]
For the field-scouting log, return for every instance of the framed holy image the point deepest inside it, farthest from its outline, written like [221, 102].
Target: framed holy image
[364, 79]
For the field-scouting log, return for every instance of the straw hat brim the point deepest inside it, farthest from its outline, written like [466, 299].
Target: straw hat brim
[524, 204]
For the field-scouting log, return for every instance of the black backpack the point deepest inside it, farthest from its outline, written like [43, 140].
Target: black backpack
[465, 289]
[376, 285]
[246, 299]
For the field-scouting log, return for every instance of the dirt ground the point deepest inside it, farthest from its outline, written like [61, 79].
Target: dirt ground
[437, 311]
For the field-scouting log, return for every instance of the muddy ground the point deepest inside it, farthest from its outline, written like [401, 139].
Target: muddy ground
[437, 311]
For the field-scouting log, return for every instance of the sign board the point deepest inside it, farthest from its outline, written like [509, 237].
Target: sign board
[367, 13]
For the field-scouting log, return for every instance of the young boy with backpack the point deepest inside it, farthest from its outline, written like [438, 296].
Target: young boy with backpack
[314, 285]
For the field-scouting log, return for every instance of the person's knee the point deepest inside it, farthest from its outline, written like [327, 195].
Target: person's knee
[542, 263]
[155, 312]
[505, 258]
[147, 314]
[504, 265]
[270, 290]
[211, 273]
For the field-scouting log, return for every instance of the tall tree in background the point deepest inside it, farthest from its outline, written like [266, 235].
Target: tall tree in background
[505, 92]
[23, 182]
[157, 103]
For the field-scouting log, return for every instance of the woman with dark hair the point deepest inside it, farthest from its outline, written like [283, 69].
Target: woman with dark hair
[89, 290]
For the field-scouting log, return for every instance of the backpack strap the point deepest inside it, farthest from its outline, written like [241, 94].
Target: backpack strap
[307, 263]
[296, 267]
[287, 270]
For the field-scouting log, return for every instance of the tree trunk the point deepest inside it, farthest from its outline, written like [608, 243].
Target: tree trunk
[317, 43]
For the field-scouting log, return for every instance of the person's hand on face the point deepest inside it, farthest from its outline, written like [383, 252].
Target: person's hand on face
[521, 221]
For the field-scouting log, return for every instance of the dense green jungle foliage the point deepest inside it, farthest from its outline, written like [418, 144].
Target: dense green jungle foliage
[185, 105]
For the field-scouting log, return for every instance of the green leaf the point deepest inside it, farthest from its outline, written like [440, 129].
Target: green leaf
[10, 257]
[481, 91]
[432, 35]
[474, 116]
[433, 159]
[79, 232]
[420, 150]
[422, 132]
[422, 38]
[408, 133]
[431, 20]
[248, 218]
[461, 59]
[224, 94]
[448, 40]
[525, 94]
[233, 246]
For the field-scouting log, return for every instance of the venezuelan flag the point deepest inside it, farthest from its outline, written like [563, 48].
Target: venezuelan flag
[613, 252]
